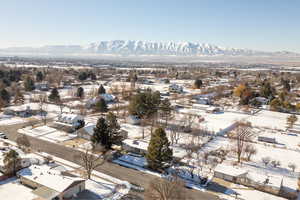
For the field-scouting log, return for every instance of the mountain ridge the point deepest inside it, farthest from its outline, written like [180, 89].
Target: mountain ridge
[142, 48]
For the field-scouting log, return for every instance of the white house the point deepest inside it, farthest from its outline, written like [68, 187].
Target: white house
[87, 131]
[71, 119]
[43, 86]
[141, 147]
[133, 119]
[108, 97]
[49, 183]
[228, 173]
[276, 185]
[175, 88]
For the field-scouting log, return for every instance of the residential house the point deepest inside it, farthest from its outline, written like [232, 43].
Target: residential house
[175, 88]
[133, 119]
[42, 86]
[70, 119]
[276, 185]
[51, 184]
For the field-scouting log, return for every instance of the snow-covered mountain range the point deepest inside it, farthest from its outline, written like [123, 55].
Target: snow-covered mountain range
[135, 47]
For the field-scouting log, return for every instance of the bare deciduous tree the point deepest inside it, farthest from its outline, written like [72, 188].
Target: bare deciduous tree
[162, 189]
[292, 166]
[61, 106]
[249, 151]
[43, 107]
[23, 141]
[174, 134]
[91, 160]
[241, 135]
[275, 163]
[266, 160]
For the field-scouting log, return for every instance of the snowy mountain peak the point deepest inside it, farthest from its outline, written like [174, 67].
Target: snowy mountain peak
[137, 47]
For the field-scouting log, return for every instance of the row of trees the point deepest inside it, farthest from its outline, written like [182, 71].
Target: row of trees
[280, 103]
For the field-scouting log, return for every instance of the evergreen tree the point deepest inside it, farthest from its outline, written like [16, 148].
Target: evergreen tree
[11, 162]
[113, 128]
[144, 104]
[29, 84]
[101, 90]
[5, 96]
[80, 92]
[82, 76]
[54, 95]
[2, 104]
[159, 152]
[267, 90]
[39, 76]
[198, 83]
[101, 106]
[286, 85]
[19, 97]
[101, 134]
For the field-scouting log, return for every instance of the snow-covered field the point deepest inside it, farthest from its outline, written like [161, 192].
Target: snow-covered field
[216, 122]
[270, 119]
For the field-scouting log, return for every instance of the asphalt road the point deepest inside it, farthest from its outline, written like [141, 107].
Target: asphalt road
[120, 172]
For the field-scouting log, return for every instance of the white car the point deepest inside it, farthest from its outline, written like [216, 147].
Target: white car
[3, 136]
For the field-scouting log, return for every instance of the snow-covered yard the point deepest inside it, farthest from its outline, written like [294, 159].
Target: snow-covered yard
[47, 133]
[11, 120]
[270, 119]
[247, 193]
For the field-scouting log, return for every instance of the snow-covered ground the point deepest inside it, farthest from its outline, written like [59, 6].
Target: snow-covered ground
[11, 120]
[47, 133]
[246, 193]
[216, 122]
[284, 139]
[270, 119]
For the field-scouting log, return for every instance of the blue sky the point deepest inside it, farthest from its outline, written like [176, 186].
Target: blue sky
[255, 24]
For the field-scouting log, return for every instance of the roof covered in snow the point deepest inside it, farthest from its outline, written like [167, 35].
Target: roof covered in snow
[230, 170]
[45, 176]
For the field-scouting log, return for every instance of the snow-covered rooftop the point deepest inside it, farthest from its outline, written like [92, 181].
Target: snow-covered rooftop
[48, 177]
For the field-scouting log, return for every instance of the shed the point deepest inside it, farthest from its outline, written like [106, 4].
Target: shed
[266, 139]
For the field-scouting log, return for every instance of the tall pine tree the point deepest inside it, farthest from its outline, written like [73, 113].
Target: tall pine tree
[101, 134]
[113, 127]
[101, 106]
[101, 90]
[39, 76]
[80, 92]
[5, 96]
[159, 152]
[54, 95]
[29, 84]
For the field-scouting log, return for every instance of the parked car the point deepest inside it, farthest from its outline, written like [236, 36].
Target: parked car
[3, 136]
